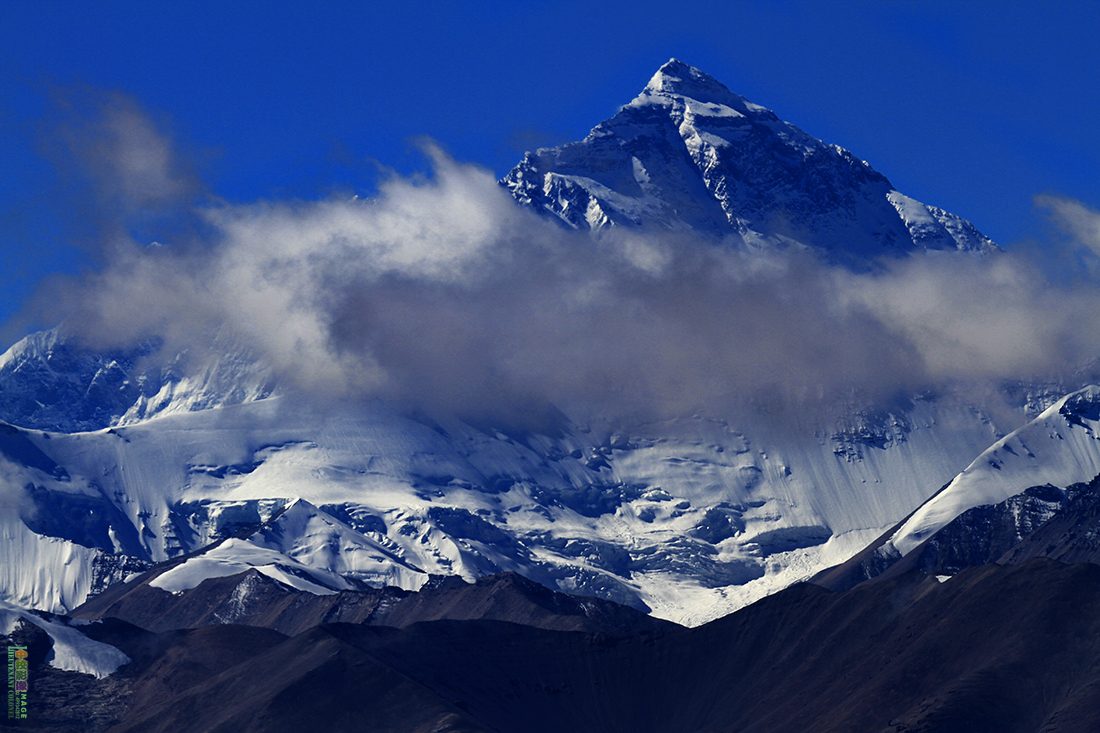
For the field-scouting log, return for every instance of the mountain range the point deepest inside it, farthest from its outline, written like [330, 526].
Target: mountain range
[178, 527]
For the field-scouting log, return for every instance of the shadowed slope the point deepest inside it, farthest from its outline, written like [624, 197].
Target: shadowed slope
[1010, 649]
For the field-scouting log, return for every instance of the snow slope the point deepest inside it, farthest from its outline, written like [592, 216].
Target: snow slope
[72, 650]
[49, 381]
[1060, 447]
[689, 518]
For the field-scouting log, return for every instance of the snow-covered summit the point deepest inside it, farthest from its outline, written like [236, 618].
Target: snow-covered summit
[689, 154]
[679, 79]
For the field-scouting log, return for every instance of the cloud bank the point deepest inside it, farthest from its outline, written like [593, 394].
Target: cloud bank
[440, 291]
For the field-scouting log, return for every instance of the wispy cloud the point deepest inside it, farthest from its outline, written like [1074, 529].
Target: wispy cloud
[120, 172]
[1079, 221]
[442, 292]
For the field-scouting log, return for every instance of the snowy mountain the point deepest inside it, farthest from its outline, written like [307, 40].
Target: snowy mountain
[1059, 448]
[1032, 493]
[688, 154]
[51, 382]
[113, 463]
[688, 518]
[235, 555]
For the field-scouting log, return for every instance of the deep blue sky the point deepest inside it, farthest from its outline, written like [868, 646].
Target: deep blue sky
[973, 107]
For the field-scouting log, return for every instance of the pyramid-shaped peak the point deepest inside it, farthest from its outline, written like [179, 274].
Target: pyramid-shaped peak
[678, 78]
[689, 154]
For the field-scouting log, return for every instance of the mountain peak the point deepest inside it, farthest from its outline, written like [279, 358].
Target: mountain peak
[676, 77]
[677, 80]
[688, 154]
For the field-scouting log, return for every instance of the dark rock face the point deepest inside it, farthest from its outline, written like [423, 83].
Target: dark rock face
[89, 521]
[985, 533]
[1070, 535]
[996, 648]
[60, 701]
[862, 430]
[253, 599]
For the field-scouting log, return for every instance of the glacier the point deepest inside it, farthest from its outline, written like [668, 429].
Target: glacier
[688, 518]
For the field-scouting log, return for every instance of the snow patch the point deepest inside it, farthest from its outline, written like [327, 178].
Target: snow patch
[72, 650]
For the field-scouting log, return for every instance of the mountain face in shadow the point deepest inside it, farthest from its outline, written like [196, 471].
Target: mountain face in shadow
[253, 599]
[995, 648]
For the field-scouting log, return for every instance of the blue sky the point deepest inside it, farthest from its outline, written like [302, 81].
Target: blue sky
[973, 107]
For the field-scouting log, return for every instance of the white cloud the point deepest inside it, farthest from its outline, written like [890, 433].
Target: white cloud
[1081, 222]
[444, 292]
